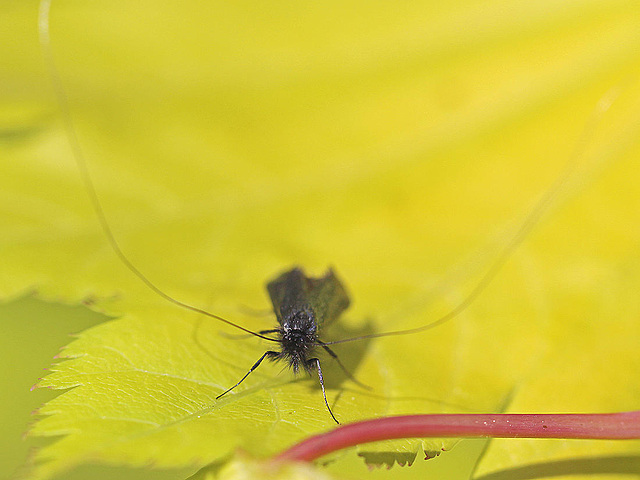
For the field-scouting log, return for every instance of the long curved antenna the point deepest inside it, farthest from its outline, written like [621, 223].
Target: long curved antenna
[525, 228]
[63, 103]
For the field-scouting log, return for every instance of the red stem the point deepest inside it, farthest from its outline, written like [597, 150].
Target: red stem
[622, 425]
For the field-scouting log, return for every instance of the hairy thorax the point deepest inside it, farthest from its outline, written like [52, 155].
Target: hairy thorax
[298, 336]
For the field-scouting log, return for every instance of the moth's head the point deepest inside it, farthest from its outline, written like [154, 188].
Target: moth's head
[302, 321]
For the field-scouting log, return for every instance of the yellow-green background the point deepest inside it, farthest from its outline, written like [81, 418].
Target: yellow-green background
[400, 142]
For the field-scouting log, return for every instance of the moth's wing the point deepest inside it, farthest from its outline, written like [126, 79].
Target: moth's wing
[293, 291]
[327, 296]
[282, 288]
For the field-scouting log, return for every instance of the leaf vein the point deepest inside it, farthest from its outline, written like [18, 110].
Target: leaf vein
[149, 372]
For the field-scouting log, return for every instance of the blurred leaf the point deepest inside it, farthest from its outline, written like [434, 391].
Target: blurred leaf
[399, 143]
[244, 467]
[32, 333]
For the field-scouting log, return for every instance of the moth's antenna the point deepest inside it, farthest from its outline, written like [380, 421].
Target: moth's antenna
[525, 228]
[63, 104]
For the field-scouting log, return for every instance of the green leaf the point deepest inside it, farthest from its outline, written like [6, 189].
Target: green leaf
[402, 146]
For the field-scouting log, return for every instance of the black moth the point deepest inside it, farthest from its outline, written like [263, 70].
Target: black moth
[302, 306]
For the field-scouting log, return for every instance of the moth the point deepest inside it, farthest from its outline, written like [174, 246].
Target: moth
[303, 305]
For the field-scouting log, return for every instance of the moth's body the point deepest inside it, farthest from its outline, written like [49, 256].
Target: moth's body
[302, 305]
[297, 337]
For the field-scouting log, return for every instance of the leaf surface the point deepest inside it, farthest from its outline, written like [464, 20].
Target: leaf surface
[402, 146]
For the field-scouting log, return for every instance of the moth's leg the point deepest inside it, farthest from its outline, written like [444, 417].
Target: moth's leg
[314, 361]
[270, 353]
[271, 330]
[334, 355]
